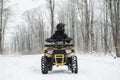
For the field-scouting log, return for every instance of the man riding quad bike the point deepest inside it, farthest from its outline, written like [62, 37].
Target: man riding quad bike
[59, 52]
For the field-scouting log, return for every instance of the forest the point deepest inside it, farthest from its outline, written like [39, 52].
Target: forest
[94, 26]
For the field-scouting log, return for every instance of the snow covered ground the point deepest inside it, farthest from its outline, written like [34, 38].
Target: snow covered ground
[27, 67]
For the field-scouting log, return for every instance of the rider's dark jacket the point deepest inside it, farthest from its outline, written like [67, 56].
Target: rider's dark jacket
[59, 35]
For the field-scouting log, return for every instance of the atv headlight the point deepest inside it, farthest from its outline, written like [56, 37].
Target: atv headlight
[68, 51]
[50, 51]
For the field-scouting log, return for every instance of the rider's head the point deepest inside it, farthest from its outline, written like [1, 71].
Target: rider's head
[60, 27]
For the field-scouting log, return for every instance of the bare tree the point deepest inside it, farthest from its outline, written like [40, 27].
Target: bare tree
[51, 7]
[91, 29]
[114, 9]
[5, 13]
[30, 34]
[1, 23]
[36, 26]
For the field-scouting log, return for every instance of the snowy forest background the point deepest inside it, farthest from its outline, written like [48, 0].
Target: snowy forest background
[93, 24]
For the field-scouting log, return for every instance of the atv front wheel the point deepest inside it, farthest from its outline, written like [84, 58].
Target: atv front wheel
[74, 66]
[44, 67]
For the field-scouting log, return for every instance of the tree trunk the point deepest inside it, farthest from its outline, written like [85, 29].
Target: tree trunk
[86, 27]
[1, 23]
[51, 7]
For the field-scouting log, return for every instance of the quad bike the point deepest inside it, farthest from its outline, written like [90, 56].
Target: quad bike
[58, 53]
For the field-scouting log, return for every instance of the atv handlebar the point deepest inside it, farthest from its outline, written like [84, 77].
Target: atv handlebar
[59, 40]
[53, 45]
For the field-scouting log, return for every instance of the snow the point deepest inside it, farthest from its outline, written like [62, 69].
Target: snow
[27, 67]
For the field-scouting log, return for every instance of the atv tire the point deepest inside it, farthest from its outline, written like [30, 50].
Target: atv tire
[44, 67]
[74, 66]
